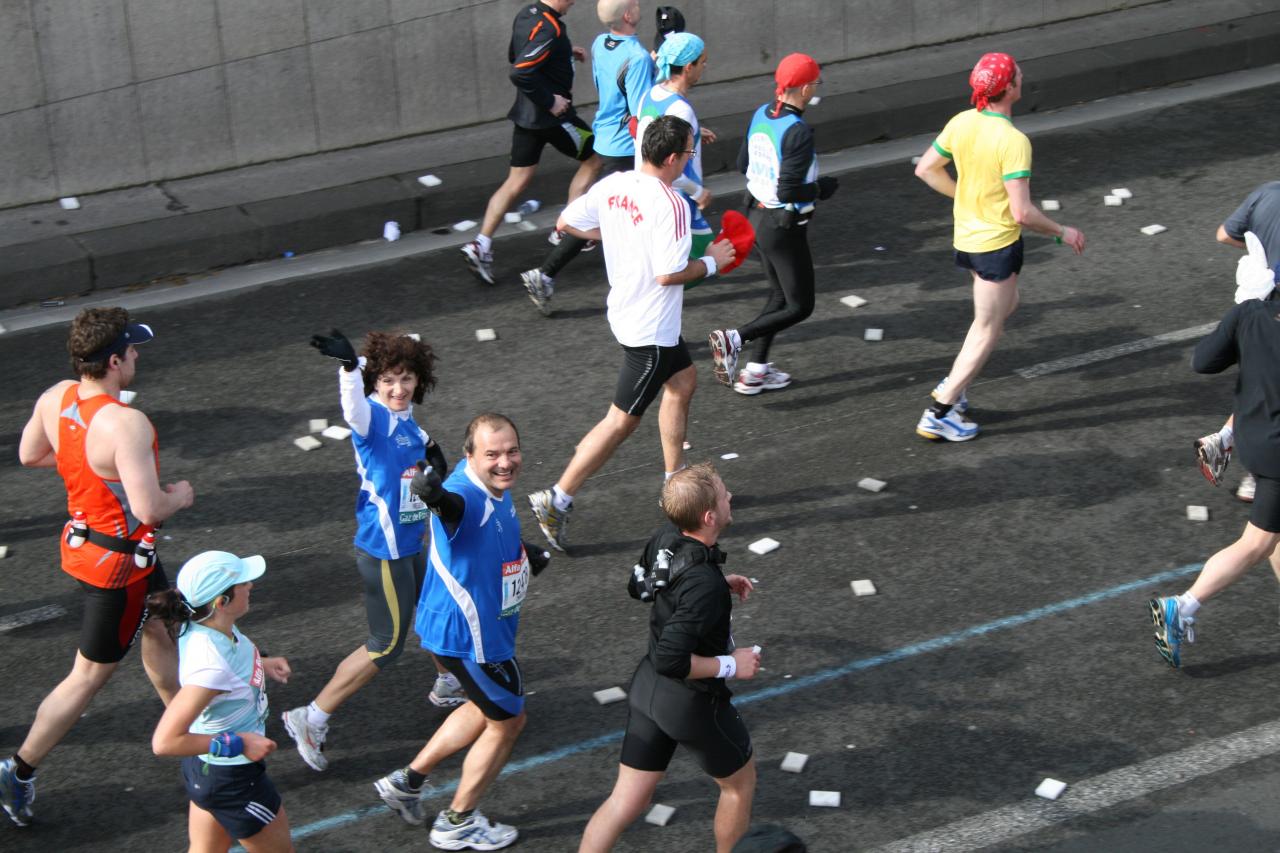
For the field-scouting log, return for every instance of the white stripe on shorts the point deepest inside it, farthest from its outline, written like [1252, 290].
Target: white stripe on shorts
[259, 811]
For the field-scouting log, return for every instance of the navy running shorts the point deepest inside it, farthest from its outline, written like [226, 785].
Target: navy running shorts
[497, 687]
[665, 713]
[241, 797]
[572, 138]
[1265, 512]
[113, 618]
[993, 266]
[644, 371]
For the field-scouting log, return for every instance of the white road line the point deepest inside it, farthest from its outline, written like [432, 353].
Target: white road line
[1073, 361]
[31, 617]
[1095, 794]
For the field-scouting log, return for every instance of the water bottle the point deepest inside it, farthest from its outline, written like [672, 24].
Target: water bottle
[79, 530]
[144, 555]
[642, 582]
[529, 206]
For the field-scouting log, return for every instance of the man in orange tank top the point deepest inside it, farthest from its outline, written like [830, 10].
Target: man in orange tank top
[106, 454]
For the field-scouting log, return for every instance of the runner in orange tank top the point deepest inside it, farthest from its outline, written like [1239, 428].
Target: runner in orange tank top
[107, 454]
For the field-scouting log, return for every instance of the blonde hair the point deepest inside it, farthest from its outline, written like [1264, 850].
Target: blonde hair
[689, 494]
[610, 12]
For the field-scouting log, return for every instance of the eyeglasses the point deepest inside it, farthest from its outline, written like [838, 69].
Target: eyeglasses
[691, 151]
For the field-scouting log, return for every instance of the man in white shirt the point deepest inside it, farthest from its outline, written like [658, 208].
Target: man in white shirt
[643, 225]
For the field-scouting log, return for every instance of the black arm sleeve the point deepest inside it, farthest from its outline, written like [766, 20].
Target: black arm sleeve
[435, 456]
[1218, 350]
[797, 157]
[699, 605]
[531, 47]
[450, 509]
[744, 153]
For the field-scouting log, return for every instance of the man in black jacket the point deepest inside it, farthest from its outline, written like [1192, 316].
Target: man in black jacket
[541, 58]
[1249, 335]
[678, 693]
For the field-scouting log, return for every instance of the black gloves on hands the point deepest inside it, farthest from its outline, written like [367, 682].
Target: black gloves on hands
[538, 558]
[426, 484]
[827, 186]
[337, 346]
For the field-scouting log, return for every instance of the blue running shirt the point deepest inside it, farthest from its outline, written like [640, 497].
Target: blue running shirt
[623, 72]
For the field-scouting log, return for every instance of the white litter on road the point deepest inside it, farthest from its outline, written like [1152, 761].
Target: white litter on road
[526, 225]
[659, 815]
[1197, 513]
[1050, 204]
[1121, 192]
[610, 695]
[863, 587]
[414, 335]
[873, 335]
[318, 425]
[4, 551]
[1112, 200]
[127, 397]
[728, 456]
[687, 446]
[794, 762]
[391, 232]
[764, 546]
[337, 433]
[1051, 789]
[853, 301]
[1153, 230]
[31, 617]
[826, 799]
[430, 181]
[69, 203]
[464, 225]
[512, 217]
[486, 335]
[871, 484]
[307, 442]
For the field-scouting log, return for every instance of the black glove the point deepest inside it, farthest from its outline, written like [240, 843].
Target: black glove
[827, 186]
[538, 558]
[435, 458]
[426, 484]
[337, 346]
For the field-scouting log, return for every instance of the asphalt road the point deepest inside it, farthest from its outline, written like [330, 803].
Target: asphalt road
[947, 696]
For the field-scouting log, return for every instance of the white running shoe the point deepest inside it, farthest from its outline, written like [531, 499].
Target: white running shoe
[724, 355]
[952, 427]
[1212, 457]
[400, 798]
[475, 833]
[552, 521]
[480, 263]
[310, 739]
[447, 692]
[539, 288]
[753, 383]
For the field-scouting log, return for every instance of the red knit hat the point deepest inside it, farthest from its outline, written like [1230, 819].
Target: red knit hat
[990, 77]
[795, 70]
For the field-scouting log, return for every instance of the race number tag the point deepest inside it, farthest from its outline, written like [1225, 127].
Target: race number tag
[412, 509]
[257, 683]
[515, 583]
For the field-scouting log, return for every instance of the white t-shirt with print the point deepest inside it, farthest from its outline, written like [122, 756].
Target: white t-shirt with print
[209, 658]
[645, 229]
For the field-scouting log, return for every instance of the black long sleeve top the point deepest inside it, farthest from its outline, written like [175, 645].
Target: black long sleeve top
[1249, 335]
[541, 58]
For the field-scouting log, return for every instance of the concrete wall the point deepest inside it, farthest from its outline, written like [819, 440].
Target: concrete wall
[101, 94]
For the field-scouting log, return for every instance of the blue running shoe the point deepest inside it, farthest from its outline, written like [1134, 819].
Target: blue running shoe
[952, 427]
[16, 795]
[475, 833]
[1172, 629]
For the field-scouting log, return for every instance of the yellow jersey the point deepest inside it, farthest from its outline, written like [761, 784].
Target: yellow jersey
[987, 150]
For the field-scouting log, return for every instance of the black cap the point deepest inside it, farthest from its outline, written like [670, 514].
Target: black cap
[669, 21]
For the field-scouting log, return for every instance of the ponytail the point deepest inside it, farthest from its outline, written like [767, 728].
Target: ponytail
[172, 609]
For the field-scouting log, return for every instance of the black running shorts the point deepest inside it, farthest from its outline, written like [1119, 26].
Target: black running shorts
[391, 589]
[241, 797]
[497, 687]
[1265, 512]
[665, 712]
[572, 138]
[644, 371]
[998, 265]
[113, 618]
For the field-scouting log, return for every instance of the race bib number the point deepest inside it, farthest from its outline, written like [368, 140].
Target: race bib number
[257, 683]
[515, 583]
[412, 509]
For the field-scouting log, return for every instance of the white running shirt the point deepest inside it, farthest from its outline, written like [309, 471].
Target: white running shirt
[645, 229]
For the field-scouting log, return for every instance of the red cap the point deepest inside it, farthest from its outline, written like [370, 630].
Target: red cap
[736, 228]
[990, 77]
[795, 70]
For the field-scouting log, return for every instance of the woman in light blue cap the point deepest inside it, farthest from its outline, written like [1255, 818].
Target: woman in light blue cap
[217, 722]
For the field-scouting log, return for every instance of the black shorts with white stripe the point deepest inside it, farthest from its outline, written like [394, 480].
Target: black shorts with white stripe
[644, 371]
[241, 797]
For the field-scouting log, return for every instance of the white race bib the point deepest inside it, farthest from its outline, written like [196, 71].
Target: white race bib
[412, 509]
[515, 584]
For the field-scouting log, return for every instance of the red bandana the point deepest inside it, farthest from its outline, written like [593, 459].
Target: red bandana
[795, 70]
[990, 77]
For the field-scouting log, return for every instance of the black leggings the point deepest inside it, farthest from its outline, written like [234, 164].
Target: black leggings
[789, 266]
[391, 590]
[570, 246]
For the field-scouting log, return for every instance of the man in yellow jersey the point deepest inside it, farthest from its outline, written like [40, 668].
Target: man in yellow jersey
[992, 192]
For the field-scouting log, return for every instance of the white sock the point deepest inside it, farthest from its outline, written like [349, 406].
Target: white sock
[1228, 436]
[316, 717]
[757, 368]
[485, 243]
[559, 499]
[1187, 604]
[669, 474]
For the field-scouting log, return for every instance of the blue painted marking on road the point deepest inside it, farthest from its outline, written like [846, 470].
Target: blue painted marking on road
[914, 650]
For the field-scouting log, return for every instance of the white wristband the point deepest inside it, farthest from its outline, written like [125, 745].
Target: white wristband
[728, 666]
[710, 263]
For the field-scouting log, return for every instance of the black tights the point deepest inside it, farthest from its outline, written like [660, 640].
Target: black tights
[789, 266]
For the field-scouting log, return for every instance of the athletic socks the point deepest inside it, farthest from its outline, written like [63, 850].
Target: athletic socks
[458, 818]
[560, 500]
[316, 717]
[1187, 605]
[1227, 435]
[485, 243]
[757, 368]
[669, 474]
[24, 771]
[415, 778]
[940, 410]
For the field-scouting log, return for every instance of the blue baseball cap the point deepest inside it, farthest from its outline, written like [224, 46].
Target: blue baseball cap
[133, 333]
[207, 575]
